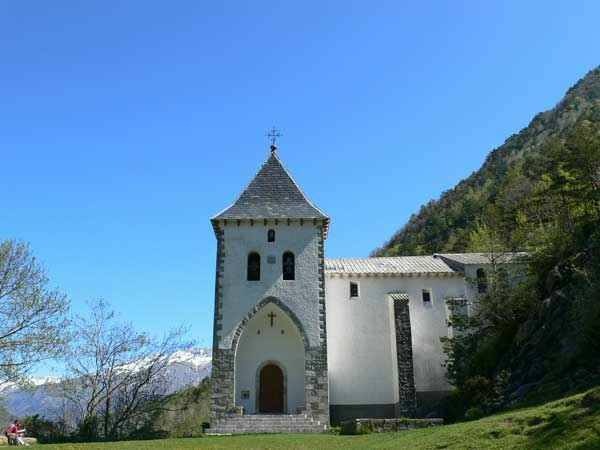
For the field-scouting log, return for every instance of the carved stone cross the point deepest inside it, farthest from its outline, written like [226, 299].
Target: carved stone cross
[271, 316]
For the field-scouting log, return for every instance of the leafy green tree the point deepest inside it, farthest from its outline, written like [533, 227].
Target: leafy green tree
[556, 216]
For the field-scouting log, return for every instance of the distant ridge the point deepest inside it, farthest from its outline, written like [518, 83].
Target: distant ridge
[43, 396]
[444, 225]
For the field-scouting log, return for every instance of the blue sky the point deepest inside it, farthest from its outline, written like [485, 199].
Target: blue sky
[125, 125]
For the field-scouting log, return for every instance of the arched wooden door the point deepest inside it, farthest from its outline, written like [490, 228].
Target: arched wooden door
[271, 389]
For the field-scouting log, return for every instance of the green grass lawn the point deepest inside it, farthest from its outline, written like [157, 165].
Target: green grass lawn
[573, 422]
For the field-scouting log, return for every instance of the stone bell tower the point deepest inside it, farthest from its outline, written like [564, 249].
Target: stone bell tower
[270, 339]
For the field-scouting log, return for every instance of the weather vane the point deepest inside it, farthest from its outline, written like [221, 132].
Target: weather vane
[273, 134]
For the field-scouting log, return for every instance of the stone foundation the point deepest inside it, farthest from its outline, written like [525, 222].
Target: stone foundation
[343, 413]
[365, 426]
[428, 402]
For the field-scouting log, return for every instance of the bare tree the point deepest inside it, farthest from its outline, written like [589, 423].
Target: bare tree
[32, 316]
[116, 375]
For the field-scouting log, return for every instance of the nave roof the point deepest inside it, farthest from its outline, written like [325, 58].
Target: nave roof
[442, 263]
[388, 265]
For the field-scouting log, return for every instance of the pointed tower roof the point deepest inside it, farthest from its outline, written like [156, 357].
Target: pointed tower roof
[272, 194]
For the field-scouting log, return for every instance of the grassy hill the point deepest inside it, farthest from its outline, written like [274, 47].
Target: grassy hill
[572, 422]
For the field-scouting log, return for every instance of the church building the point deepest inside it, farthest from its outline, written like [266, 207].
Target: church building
[301, 341]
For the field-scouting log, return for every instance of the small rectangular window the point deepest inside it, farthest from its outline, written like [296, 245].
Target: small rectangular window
[353, 289]
[426, 297]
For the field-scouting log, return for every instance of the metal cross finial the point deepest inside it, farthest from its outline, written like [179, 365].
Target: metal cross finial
[273, 134]
[271, 316]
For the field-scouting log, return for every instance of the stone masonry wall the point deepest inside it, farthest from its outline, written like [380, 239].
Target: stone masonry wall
[406, 381]
[240, 295]
[222, 380]
[316, 380]
[366, 426]
[223, 407]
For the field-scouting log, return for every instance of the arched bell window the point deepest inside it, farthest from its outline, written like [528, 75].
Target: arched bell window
[253, 269]
[289, 266]
[481, 281]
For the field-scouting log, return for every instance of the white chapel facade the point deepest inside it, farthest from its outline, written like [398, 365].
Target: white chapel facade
[322, 340]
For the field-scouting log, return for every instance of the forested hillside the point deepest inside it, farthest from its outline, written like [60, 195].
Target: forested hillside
[539, 192]
[448, 224]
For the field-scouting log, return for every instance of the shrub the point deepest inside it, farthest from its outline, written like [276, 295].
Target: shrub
[474, 413]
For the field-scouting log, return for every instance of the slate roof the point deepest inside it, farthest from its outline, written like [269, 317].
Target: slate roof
[482, 258]
[272, 194]
[413, 265]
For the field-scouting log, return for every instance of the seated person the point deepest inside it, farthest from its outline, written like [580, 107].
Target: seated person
[11, 433]
[20, 434]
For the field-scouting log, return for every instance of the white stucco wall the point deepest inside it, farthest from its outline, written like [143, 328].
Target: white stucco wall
[361, 336]
[286, 349]
[300, 295]
[361, 356]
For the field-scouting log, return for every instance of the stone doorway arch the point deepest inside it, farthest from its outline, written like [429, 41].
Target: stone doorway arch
[270, 338]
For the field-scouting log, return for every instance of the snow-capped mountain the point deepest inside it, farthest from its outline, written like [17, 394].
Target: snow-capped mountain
[187, 368]
[42, 396]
